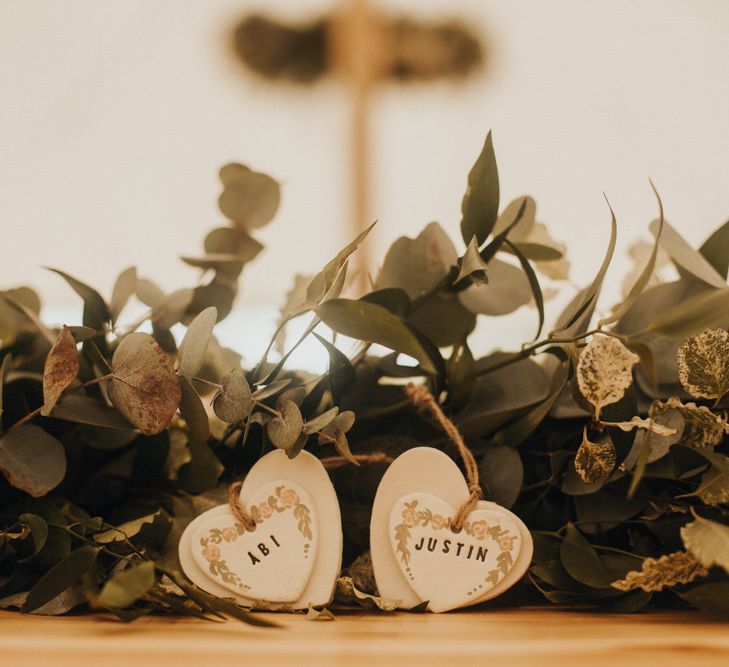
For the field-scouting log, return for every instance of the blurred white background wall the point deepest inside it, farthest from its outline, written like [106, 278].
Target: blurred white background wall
[116, 115]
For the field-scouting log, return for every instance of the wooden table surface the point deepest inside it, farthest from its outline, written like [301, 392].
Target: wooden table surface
[528, 637]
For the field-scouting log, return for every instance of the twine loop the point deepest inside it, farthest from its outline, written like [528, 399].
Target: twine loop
[421, 397]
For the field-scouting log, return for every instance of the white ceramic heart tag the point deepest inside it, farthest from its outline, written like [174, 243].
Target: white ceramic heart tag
[273, 562]
[450, 569]
[293, 557]
[428, 471]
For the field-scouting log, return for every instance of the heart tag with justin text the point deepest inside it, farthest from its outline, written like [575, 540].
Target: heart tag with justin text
[291, 559]
[416, 556]
[450, 569]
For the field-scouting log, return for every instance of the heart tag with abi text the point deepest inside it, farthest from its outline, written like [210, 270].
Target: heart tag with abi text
[291, 559]
[272, 562]
[416, 556]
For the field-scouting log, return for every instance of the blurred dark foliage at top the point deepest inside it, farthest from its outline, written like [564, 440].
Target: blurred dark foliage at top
[414, 50]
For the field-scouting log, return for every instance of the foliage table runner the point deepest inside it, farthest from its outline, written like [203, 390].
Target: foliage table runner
[606, 431]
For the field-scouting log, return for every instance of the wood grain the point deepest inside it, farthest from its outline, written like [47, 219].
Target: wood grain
[528, 637]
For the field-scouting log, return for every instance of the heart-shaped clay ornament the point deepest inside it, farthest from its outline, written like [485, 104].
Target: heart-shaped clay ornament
[450, 569]
[293, 557]
[445, 576]
[273, 562]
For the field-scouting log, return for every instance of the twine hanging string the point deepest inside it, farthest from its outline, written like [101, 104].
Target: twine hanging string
[421, 397]
[330, 463]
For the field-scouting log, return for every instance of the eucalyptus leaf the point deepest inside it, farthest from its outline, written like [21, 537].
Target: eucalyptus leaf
[32, 460]
[203, 470]
[508, 289]
[234, 401]
[586, 301]
[374, 324]
[604, 371]
[480, 205]
[61, 577]
[318, 423]
[708, 541]
[703, 364]
[417, 265]
[231, 241]
[148, 292]
[61, 369]
[502, 474]
[195, 343]
[714, 250]
[271, 389]
[126, 530]
[124, 289]
[171, 309]
[594, 461]
[88, 410]
[39, 533]
[472, 265]
[249, 199]
[686, 257]
[712, 598]
[144, 386]
[581, 561]
[4, 368]
[193, 411]
[284, 430]
[703, 311]
[645, 275]
[96, 312]
[533, 283]
[328, 282]
[126, 588]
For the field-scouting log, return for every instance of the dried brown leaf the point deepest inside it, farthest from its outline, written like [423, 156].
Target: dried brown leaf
[604, 371]
[61, 368]
[703, 364]
[714, 489]
[144, 386]
[702, 428]
[594, 460]
[667, 571]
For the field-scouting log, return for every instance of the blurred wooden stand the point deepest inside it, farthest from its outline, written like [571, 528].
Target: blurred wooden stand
[506, 638]
[364, 47]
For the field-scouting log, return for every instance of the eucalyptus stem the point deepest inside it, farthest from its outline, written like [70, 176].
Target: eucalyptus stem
[532, 349]
[34, 413]
[93, 543]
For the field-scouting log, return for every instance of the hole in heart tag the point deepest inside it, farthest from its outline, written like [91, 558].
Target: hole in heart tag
[273, 562]
[451, 569]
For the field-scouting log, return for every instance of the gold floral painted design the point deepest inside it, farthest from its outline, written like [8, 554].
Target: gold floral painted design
[480, 529]
[282, 500]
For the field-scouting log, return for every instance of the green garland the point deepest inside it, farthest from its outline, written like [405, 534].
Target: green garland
[612, 447]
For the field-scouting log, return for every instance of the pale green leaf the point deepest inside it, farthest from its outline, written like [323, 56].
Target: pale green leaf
[708, 541]
[374, 324]
[195, 343]
[480, 205]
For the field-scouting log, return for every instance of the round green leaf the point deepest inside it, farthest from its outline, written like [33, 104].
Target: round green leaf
[144, 386]
[250, 199]
[285, 430]
[234, 402]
